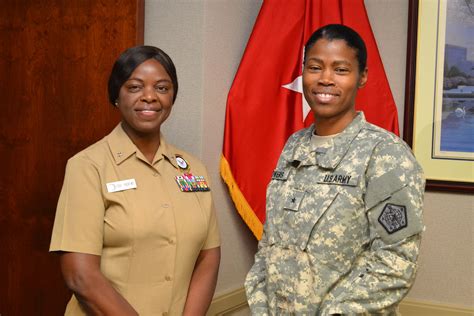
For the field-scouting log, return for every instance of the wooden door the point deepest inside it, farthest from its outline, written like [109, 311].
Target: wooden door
[55, 58]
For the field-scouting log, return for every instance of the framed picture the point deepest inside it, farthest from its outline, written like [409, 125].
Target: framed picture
[439, 100]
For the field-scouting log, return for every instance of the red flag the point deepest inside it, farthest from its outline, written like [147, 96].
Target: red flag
[264, 105]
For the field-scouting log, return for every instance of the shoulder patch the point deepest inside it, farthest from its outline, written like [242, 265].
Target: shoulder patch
[393, 217]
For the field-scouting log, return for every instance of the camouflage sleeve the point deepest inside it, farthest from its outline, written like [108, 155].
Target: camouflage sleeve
[255, 282]
[383, 274]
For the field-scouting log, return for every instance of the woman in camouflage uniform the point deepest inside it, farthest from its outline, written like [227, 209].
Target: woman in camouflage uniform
[344, 206]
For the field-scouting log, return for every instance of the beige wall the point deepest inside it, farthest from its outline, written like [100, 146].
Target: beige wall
[206, 40]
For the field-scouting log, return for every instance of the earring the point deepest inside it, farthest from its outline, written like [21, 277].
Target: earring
[116, 103]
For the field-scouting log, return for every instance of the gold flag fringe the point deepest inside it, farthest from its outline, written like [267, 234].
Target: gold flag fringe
[243, 207]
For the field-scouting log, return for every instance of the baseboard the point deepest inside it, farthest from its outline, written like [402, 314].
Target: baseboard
[411, 307]
[236, 300]
[228, 303]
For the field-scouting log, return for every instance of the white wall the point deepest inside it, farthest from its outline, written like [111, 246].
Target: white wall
[206, 40]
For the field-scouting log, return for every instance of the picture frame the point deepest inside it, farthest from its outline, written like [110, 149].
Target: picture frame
[435, 118]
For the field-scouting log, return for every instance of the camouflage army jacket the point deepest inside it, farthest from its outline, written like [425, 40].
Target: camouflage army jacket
[343, 226]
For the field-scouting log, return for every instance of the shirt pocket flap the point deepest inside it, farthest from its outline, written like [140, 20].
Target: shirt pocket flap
[382, 188]
[297, 226]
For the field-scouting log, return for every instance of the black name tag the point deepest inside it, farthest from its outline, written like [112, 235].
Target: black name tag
[281, 175]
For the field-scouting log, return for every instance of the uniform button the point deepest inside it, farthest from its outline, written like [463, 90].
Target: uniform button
[155, 174]
[171, 241]
[165, 313]
[165, 205]
[167, 278]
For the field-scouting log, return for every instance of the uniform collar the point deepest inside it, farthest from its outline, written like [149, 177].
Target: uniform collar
[122, 147]
[167, 152]
[331, 157]
[302, 153]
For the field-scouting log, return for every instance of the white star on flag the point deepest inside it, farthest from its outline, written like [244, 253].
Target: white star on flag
[297, 86]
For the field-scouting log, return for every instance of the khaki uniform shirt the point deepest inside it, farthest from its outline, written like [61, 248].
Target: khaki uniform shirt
[148, 237]
[343, 226]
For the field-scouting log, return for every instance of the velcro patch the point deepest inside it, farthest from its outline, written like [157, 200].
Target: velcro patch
[393, 217]
[293, 200]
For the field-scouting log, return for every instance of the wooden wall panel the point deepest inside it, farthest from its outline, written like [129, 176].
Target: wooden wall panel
[55, 58]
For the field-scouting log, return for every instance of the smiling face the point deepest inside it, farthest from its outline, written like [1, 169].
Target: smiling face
[331, 78]
[145, 100]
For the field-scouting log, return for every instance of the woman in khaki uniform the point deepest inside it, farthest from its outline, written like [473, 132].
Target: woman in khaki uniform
[135, 224]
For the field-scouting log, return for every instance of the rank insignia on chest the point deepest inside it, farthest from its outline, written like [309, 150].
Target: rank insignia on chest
[293, 200]
[190, 183]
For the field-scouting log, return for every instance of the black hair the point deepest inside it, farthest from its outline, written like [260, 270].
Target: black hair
[131, 59]
[338, 31]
